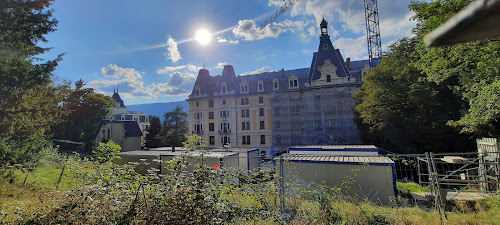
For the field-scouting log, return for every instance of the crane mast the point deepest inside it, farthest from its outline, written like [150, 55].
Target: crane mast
[373, 32]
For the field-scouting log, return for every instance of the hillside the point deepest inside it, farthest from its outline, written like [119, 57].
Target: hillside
[158, 109]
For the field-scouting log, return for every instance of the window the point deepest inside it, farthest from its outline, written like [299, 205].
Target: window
[211, 127]
[261, 86]
[109, 134]
[244, 88]
[197, 104]
[198, 115]
[225, 140]
[224, 113]
[197, 92]
[262, 139]
[212, 140]
[275, 85]
[198, 128]
[262, 126]
[277, 124]
[245, 125]
[276, 110]
[328, 78]
[244, 101]
[325, 47]
[245, 113]
[295, 83]
[210, 104]
[224, 102]
[210, 115]
[245, 140]
[224, 87]
[261, 99]
[261, 111]
[224, 126]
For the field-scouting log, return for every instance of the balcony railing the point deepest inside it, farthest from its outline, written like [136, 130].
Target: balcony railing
[197, 132]
[225, 131]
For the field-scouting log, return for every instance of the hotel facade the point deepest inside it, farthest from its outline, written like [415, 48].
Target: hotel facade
[274, 110]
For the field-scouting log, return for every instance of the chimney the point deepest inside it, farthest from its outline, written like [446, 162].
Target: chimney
[348, 62]
[282, 72]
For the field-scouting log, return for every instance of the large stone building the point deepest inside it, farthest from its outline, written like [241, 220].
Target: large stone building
[274, 110]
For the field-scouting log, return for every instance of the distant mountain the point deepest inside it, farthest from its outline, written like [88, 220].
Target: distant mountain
[158, 109]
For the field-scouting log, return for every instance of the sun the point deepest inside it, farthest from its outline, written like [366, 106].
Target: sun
[203, 36]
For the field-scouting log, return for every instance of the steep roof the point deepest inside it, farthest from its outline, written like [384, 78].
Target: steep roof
[132, 128]
[118, 99]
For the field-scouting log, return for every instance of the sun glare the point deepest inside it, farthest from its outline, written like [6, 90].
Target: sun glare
[203, 36]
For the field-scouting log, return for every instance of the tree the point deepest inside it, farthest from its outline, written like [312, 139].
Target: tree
[175, 127]
[475, 68]
[401, 110]
[28, 98]
[85, 109]
[152, 137]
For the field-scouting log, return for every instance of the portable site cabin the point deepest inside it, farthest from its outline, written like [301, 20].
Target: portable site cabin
[362, 177]
[151, 159]
[248, 157]
[352, 150]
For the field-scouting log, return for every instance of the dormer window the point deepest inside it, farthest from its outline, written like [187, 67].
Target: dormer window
[276, 85]
[224, 87]
[260, 86]
[244, 88]
[294, 83]
[328, 78]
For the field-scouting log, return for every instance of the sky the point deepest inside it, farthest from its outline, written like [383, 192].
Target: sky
[147, 50]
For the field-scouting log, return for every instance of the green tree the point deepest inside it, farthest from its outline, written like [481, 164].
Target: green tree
[401, 110]
[85, 109]
[28, 98]
[106, 152]
[152, 137]
[474, 68]
[194, 142]
[175, 127]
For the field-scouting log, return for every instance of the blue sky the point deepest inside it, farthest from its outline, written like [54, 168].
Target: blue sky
[147, 50]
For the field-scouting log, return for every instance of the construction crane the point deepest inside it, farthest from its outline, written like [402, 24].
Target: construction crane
[283, 8]
[373, 33]
[372, 28]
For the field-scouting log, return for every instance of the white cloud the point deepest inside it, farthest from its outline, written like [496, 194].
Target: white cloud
[276, 2]
[226, 41]
[168, 69]
[355, 49]
[173, 51]
[221, 65]
[250, 32]
[257, 71]
[130, 84]
[178, 84]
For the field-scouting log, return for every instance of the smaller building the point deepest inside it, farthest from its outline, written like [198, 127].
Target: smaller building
[361, 177]
[127, 134]
[248, 157]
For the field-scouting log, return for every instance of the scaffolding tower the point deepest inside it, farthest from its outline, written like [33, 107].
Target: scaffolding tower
[373, 33]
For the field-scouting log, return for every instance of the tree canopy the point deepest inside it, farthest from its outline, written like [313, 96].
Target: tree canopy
[175, 127]
[431, 99]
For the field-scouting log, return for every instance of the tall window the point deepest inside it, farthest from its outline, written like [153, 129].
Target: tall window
[212, 140]
[225, 140]
[244, 88]
[261, 111]
[261, 99]
[262, 139]
[245, 125]
[210, 115]
[224, 113]
[245, 101]
[224, 102]
[328, 78]
[245, 140]
[197, 104]
[275, 85]
[211, 127]
[262, 125]
[245, 113]
[210, 104]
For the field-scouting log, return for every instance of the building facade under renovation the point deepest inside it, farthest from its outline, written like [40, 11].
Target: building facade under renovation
[275, 110]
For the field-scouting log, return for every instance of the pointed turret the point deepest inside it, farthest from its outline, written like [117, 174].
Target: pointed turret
[118, 99]
[327, 54]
